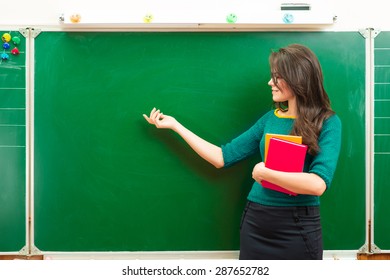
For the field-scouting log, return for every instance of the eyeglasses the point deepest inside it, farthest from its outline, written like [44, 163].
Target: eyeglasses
[275, 77]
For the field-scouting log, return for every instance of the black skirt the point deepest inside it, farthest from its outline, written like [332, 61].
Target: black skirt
[280, 233]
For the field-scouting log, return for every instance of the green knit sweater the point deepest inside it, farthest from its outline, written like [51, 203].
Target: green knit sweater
[252, 142]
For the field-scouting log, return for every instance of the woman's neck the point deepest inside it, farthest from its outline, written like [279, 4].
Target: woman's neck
[291, 110]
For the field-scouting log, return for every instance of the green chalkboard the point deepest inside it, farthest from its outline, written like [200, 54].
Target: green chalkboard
[13, 145]
[382, 140]
[105, 180]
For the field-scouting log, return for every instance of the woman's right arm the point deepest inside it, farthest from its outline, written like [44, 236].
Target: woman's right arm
[206, 150]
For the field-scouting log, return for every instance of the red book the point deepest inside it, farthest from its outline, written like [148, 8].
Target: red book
[284, 156]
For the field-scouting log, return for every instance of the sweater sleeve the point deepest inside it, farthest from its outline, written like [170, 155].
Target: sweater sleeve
[325, 162]
[245, 145]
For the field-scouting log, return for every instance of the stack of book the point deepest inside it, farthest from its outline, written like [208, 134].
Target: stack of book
[283, 153]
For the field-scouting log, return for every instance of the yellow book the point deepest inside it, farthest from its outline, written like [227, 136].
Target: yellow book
[291, 138]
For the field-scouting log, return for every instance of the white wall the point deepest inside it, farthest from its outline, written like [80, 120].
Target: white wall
[351, 15]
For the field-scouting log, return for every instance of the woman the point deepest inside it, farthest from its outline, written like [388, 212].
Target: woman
[276, 225]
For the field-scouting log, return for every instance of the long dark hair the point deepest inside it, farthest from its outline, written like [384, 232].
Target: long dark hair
[301, 70]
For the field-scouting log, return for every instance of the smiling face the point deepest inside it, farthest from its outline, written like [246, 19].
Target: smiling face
[148, 18]
[75, 18]
[281, 92]
[231, 18]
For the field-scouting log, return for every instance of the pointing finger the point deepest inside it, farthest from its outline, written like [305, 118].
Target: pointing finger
[146, 118]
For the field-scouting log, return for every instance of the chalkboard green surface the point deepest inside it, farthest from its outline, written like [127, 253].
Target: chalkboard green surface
[105, 180]
[382, 140]
[13, 147]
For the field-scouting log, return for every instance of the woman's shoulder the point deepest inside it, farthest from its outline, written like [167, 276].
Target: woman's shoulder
[332, 125]
[334, 119]
[267, 115]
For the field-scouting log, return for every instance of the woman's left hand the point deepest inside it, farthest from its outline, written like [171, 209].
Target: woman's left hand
[259, 171]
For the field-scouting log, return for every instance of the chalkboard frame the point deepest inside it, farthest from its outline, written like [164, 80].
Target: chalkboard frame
[167, 142]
